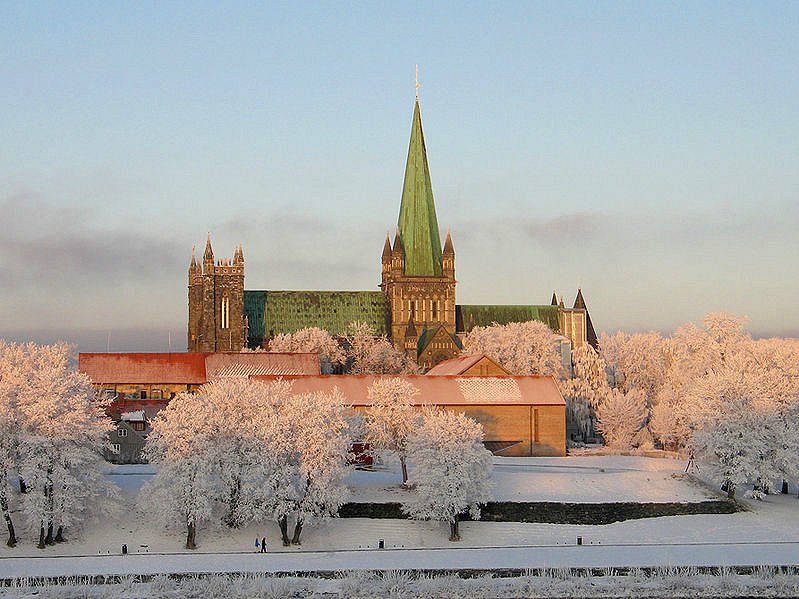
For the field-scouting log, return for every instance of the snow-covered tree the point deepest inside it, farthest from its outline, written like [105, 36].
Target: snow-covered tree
[666, 426]
[241, 444]
[10, 382]
[312, 340]
[63, 432]
[620, 417]
[185, 485]
[392, 417]
[636, 361]
[322, 443]
[451, 469]
[521, 347]
[586, 389]
[369, 353]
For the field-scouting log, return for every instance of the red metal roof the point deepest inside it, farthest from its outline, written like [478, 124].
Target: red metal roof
[237, 364]
[144, 368]
[440, 390]
[192, 368]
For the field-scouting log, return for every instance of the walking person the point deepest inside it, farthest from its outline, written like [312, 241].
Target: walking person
[256, 544]
[263, 545]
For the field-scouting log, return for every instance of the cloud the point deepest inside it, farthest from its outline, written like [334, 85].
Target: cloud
[42, 243]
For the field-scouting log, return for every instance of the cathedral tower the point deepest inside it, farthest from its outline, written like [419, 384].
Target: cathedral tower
[216, 302]
[418, 276]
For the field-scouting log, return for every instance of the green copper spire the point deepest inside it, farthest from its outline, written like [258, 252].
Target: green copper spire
[418, 226]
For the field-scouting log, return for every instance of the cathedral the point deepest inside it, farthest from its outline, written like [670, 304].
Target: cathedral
[415, 308]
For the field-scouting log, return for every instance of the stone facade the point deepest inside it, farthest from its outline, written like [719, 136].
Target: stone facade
[216, 303]
[416, 310]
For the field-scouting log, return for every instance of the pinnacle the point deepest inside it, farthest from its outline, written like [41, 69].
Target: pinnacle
[448, 247]
[387, 248]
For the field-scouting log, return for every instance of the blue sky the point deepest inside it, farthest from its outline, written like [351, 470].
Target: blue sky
[646, 151]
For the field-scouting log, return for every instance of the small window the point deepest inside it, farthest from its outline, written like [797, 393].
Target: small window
[143, 394]
[122, 432]
[115, 448]
[138, 426]
[157, 394]
[435, 309]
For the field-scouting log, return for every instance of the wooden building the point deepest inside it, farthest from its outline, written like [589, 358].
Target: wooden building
[521, 415]
[147, 381]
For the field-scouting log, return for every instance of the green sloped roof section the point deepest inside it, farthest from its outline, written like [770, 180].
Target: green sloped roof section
[270, 313]
[427, 337]
[483, 316]
[418, 225]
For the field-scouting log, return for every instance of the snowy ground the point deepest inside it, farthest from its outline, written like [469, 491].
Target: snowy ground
[767, 534]
[589, 479]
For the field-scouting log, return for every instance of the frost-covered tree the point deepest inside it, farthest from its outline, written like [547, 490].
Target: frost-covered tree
[666, 425]
[63, 432]
[369, 353]
[11, 380]
[521, 347]
[241, 443]
[322, 444]
[586, 390]
[620, 417]
[636, 361]
[392, 417]
[312, 340]
[451, 469]
[184, 488]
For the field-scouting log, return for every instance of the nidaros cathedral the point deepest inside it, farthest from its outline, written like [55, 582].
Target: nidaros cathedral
[416, 306]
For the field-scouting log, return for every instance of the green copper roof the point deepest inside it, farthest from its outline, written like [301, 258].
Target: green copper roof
[272, 312]
[418, 225]
[427, 337]
[483, 316]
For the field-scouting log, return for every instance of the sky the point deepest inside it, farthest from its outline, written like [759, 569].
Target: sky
[646, 152]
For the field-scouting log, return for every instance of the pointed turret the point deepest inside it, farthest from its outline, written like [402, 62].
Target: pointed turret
[448, 258]
[418, 225]
[208, 255]
[449, 249]
[554, 299]
[387, 249]
[238, 256]
[194, 266]
[579, 302]
[397, 242]
[410, 331]
[561, 304]
[590, 333]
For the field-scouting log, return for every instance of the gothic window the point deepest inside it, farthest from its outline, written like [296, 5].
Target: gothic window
[225, 313]
[435, 309]
[115, 448]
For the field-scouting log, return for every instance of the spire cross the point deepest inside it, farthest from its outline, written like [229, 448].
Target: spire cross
[417, 81]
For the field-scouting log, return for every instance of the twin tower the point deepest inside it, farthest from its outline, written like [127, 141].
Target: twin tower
[415, 307]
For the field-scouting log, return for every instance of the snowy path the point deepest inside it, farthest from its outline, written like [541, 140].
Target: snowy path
[702, 554]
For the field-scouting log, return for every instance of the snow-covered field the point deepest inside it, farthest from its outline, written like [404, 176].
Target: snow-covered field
[584, 479]
[766, 534]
